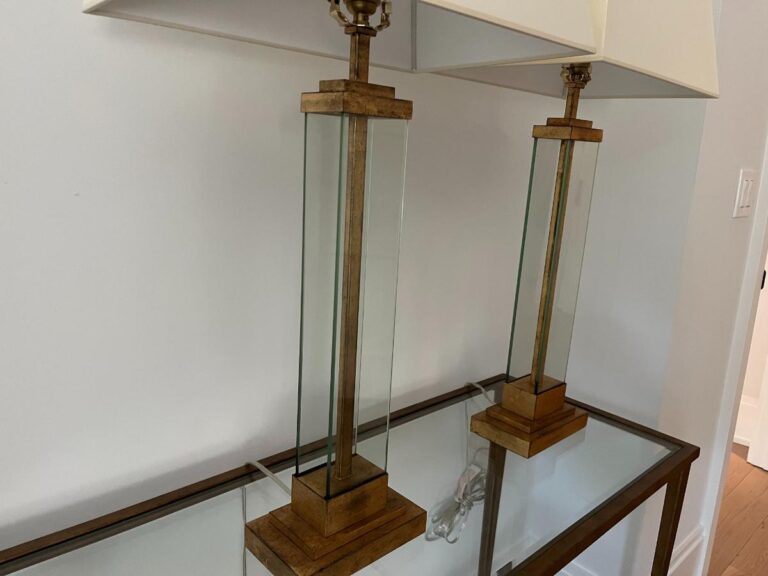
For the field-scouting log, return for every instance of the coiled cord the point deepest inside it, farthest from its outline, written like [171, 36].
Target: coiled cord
[449, 518]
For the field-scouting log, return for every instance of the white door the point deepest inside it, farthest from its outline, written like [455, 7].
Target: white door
[753, 413]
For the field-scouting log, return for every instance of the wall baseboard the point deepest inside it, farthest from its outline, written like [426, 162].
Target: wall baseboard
[746, 424]
[576, 569]
[741, 440]
[684, 552]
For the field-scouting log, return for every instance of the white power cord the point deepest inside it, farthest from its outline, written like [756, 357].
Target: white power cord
[244, 502]
[483, 391]
[269, 474]
[449, 518]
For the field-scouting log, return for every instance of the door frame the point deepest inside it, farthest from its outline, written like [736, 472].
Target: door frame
[738, 356]
[758, 445]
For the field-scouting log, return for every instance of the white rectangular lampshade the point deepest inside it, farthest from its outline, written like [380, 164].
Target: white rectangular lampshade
[649, 49]
[299, 25]
[425, 34]
[465, 33]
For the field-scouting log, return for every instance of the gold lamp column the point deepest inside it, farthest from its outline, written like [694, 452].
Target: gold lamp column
[343, 515]
[533, 414]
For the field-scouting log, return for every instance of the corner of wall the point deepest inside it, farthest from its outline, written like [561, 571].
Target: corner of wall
[746, 422]
[686, 558]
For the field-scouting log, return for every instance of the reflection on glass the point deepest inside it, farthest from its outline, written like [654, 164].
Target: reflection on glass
[583, 166]
[381, 236]
[325, 196]
[532, 256]
[555, 306]
[207, 538]
[323, 236]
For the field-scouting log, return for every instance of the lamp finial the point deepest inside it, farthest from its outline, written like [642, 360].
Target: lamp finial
[360, 13]
[575, 77]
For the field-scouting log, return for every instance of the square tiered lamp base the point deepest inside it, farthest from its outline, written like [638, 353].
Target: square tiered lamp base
[335, 530]
[527, 423]
[289, 546]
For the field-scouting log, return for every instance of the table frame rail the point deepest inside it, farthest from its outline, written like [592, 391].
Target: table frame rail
[672, 472]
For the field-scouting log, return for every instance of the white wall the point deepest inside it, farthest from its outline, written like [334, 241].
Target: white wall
[654, 340]
[625, 318]
[702, 384]
[150, 211]
[149, 243]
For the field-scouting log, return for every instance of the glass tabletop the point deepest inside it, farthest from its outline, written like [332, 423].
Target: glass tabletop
[427, 457]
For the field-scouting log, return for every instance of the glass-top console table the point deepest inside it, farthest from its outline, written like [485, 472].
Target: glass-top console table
[537, 516]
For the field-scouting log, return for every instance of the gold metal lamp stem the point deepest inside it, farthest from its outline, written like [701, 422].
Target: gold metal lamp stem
[354, 213]
[576, 77]
[533, 413]
[360, 32]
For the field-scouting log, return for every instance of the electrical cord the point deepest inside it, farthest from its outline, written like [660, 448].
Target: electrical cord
[244, 502]
[269, 474]
[449, 518]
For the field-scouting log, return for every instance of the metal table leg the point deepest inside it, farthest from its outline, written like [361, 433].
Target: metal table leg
[494, 480]
[670, 518]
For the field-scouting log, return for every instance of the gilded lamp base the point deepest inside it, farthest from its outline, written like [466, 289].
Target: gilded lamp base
[527, 423]
[336, 535]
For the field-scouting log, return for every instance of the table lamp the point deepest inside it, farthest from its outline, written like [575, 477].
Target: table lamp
[678, 62]
[533, 413]
[343, 515]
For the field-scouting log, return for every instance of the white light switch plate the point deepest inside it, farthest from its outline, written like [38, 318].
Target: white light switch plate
[746, 194]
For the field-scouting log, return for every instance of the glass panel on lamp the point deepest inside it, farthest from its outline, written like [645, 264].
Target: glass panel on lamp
[541, 187]
[385, 182]
[583, 165]
[580, 158]
[327, 147]
[323, 235]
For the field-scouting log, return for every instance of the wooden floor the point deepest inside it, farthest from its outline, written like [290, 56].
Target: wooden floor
[741, 540]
